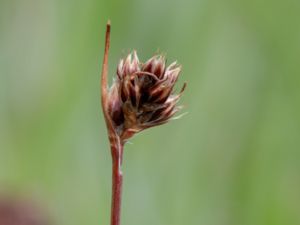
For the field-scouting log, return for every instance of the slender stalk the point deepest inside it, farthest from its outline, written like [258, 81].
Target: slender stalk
[117, 181]
[115, 142]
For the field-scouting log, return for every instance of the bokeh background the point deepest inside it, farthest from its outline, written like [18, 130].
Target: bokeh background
[234, 159]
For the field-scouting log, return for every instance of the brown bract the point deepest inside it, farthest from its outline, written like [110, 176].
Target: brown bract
[142, 94]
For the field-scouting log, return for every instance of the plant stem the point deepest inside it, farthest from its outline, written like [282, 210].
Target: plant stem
[117, 181]
[115, 141]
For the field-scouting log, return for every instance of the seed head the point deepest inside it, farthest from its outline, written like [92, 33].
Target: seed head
[141, 96]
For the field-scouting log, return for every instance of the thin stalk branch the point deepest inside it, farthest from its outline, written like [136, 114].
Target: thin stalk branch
[117, 181]
[115, 142]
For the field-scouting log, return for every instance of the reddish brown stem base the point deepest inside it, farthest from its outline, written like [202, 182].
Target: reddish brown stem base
[117, 181]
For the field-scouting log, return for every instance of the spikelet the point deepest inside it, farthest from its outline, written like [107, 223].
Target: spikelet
[141, 95]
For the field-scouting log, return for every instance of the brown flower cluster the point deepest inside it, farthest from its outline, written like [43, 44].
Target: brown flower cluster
[142, 94]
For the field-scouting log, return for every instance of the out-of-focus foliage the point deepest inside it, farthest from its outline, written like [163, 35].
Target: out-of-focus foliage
[234, 159]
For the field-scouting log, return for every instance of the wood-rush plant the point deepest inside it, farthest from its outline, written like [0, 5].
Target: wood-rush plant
[140, 97]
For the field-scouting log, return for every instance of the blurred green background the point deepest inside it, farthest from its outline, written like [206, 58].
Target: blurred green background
[234, 159]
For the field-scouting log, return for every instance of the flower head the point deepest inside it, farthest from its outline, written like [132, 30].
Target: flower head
[142, 94]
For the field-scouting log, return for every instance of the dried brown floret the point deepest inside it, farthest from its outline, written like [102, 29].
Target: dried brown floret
[142, 94]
